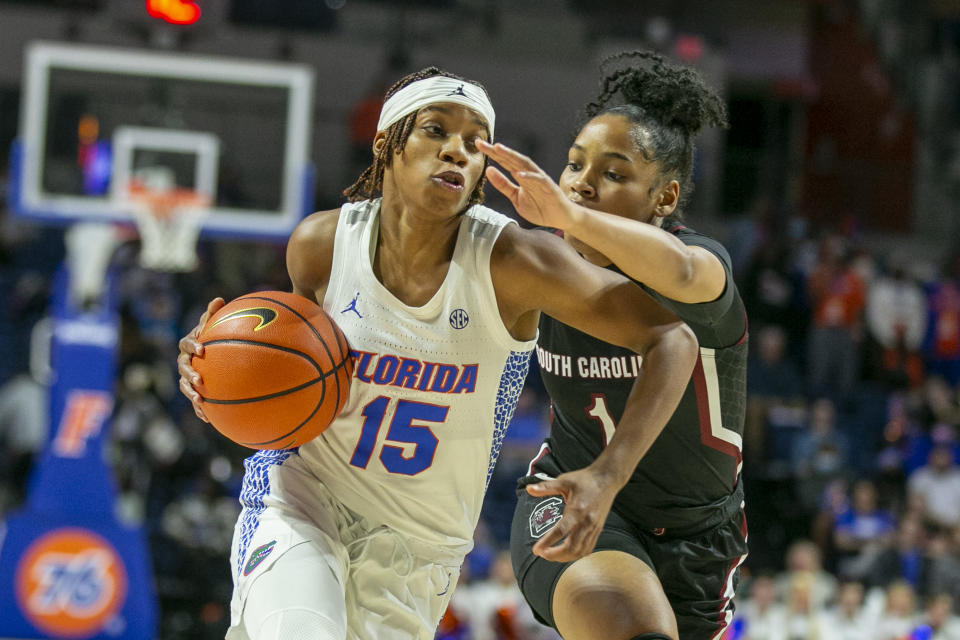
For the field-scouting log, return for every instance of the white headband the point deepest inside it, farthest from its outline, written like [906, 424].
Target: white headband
[419, 94]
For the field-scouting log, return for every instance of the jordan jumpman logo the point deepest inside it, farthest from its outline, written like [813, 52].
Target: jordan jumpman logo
[353, 306]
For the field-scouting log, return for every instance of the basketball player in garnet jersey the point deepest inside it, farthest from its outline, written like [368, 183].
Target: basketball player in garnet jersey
[361, 532]
[666, 563]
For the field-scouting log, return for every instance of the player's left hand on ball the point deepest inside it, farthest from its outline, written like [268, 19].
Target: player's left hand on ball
[588, 498]
[189, 347]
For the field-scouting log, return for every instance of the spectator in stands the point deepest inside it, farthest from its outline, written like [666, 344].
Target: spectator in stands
[863, 262]
[938, 621]
[912, 432]
[24, 422]
[890, 464]
[773, 383]
[903, 560]
[939, 404]
[837, 297]
[935, 488]
[761, 616]
[942, 344]
[863, 529]
[820, 454]
[897, 320]
[753, 232]
[452, 626]
[481, 558]
[834, 501]
[899, 613]
[847, 620]
[804, 618]
[771, 291]
[805, 561]
[771, 373]
[943, 561]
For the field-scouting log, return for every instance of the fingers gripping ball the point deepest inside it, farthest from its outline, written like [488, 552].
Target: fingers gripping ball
[275, 370]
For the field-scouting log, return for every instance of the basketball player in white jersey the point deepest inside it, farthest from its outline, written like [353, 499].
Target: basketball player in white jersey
[361, 532]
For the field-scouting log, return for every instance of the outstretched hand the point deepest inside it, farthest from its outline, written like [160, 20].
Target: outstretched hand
[534, 195]
[189, 347]
[588, 498]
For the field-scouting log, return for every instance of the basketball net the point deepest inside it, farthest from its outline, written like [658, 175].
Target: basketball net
[169, 220]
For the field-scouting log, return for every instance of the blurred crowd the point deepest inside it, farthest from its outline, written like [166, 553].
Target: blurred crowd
[851, 443]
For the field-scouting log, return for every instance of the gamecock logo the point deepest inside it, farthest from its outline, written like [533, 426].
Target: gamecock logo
[545, 515]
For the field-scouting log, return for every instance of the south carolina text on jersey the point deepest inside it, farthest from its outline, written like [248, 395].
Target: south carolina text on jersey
[589, 366]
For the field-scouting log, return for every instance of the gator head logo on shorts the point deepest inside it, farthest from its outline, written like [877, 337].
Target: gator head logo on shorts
[71, 583]
[545, 515]
[257, 556]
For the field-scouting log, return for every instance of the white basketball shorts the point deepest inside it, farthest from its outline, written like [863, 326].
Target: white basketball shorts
[305, 566]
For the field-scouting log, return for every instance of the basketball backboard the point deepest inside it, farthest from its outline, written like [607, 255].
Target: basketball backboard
[236, 131]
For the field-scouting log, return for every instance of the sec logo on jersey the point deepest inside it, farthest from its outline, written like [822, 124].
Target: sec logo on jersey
[459, 319]
[71, 583]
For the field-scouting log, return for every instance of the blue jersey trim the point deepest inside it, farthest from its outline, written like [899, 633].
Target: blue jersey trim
[511, 384]
[256, 484]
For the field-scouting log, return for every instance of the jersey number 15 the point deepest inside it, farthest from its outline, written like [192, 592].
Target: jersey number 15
[402, 430]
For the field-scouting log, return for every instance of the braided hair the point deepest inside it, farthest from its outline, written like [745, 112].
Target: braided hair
[370, 182]
[669, 105]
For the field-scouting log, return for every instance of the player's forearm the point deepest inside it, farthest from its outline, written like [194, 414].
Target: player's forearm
[664, 376]
[642, 251]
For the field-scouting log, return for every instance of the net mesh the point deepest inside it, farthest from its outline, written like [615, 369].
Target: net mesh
[169, 222]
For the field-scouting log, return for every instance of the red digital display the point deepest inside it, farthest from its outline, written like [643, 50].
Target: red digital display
[174, 11]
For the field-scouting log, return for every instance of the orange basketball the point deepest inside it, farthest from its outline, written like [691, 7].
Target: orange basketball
[275, 370]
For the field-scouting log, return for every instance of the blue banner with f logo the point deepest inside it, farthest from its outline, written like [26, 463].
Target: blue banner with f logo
[68, 568]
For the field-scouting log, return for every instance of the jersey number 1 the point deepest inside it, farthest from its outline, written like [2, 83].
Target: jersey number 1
[402, 431]
[599, 412]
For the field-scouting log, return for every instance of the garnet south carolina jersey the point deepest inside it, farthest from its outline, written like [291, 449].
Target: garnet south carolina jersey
[690, 475]
[434, 386]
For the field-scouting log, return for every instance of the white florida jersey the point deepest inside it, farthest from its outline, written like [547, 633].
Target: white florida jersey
[434, 387]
